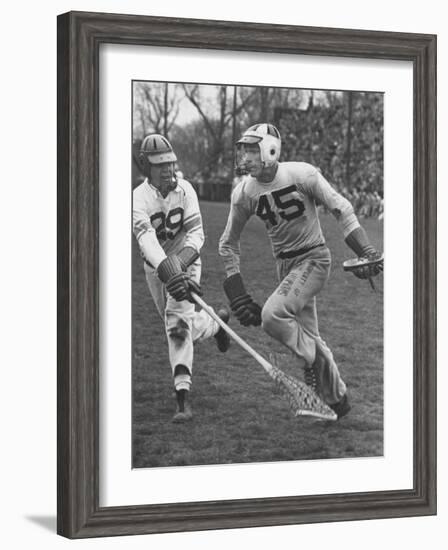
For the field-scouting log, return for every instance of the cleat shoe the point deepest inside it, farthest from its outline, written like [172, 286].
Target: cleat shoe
[221, 337]
[184, 415]
[183, 412]
[342, 407]
[312, 379]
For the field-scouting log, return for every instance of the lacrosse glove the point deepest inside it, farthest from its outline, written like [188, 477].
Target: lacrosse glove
[245, 309]
[187, 256]
[372, 270]
[358, 241]
[178, 283]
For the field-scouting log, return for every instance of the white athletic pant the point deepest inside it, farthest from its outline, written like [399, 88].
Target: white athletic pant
[290, 316]
[183, 325]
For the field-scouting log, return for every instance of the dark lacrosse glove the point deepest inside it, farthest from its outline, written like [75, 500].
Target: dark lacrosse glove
[358, 241]
[372, 269]
[245, 309]
[187, 256]
[178, 283]
[180, 287]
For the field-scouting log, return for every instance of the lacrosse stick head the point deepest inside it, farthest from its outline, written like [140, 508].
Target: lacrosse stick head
[355, 263]
[366, 267]
[303, 401]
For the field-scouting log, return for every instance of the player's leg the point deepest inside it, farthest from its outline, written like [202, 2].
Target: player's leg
[323, 369]
[178, 327]
[177, 317]
[281, 311]
[156, 289]
[289, 315]
[203, 326]
[184, 325]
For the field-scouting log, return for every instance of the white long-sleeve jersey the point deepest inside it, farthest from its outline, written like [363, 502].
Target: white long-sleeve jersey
[164, 226]
[288, 206]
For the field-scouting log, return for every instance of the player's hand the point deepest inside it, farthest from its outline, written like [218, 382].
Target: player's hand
[246, 311]
[180, 287]
[373, 268]
[243, 306]
[369, 262]
[178, 283]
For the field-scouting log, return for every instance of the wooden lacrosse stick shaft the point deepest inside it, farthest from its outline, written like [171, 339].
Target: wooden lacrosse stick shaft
[259, 358]
[331, 415]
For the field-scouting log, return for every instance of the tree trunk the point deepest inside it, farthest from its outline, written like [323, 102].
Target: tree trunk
[235, 88]
[165, 112]
[264, 104]
[349, 139]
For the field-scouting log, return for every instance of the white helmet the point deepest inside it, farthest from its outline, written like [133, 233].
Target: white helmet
[155, 149]
[269, 141]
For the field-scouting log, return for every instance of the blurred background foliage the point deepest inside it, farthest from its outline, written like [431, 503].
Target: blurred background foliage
[340, 132]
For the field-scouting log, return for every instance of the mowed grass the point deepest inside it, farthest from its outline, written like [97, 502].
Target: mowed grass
[239, 415]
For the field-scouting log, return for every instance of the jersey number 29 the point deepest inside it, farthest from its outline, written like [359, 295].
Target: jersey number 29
[289, 208]
[167, 226]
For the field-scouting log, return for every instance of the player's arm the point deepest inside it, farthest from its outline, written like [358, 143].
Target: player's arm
[193, 228]
[354, 234]
[170, 269]
[145, 234]
[245, 309]
[229, 243]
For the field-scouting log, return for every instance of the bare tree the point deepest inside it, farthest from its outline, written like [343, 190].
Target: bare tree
[165, 111]
[261, 104]
[349, 137]
[264, 103]
[156, 107]
[216, 122]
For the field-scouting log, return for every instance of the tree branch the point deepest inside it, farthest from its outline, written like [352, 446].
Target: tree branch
[190, 96]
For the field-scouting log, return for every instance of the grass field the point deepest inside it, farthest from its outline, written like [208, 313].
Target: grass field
[239, 416]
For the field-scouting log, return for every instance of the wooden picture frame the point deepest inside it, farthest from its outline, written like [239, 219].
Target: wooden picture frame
[79, 38]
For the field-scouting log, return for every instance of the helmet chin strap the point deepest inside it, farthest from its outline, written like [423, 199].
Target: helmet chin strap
[164, 187]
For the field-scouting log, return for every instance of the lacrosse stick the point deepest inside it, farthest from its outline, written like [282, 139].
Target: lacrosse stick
[302, 399]
[355, 263]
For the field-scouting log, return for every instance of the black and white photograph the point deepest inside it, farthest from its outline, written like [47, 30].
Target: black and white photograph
[232, 352]
[257, 274]
[222, 323]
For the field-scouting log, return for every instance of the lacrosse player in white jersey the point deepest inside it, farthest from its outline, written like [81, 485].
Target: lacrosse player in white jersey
[167, 224]
[284, 196]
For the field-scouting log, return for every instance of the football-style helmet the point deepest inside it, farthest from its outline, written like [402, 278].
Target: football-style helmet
[155, 149]
[268, 139]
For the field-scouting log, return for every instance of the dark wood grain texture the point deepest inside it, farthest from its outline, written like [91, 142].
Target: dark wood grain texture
[79, 37]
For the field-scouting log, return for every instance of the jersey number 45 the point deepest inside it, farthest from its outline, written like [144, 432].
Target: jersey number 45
[287, 207]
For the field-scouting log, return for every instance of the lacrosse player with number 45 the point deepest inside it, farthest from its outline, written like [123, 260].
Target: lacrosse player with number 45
[167, 224]
[284, 195]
